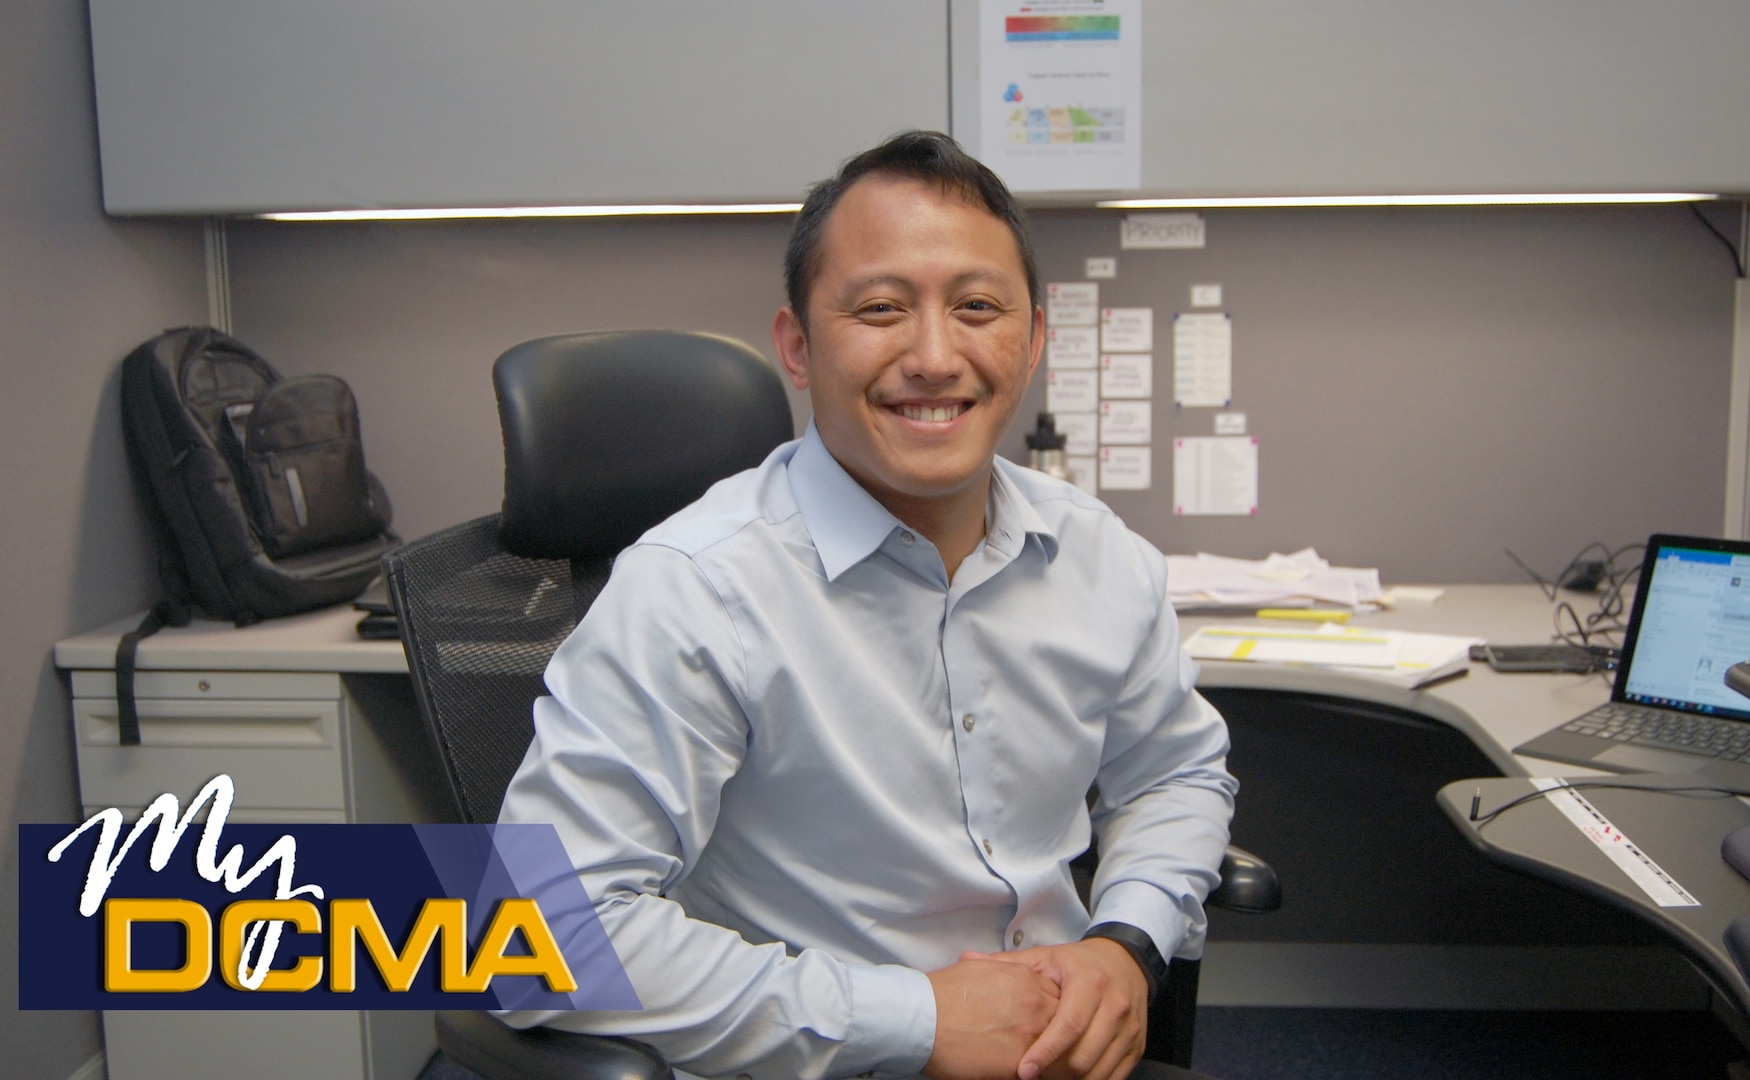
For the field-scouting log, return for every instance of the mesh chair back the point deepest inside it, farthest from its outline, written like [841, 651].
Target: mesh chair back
[479, 626]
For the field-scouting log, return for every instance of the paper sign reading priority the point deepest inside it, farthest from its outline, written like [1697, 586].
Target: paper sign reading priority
[1080, 430]
[1126, 375]
[1124, 468]
[1072, 391]
[1072, 347]
[1125, 422]
[1127, 329]
[1072, 303]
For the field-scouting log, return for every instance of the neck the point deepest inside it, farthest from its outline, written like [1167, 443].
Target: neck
[955, 523]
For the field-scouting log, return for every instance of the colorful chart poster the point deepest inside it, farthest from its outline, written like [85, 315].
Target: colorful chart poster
[1060, 84]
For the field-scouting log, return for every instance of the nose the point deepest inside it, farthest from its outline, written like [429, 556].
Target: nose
[933, 357]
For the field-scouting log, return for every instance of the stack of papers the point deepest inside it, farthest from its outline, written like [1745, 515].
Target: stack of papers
[1396, 656]
[1299, 579]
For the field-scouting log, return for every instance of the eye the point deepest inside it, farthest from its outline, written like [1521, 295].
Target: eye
[980, 308]
[878, 311]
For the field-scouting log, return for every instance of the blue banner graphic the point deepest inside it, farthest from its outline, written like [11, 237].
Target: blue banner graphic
[169, 913]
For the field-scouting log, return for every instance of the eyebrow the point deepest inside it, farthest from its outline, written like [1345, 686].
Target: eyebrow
[905, 284]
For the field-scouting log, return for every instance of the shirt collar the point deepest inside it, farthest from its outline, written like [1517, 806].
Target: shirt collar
[847, 524]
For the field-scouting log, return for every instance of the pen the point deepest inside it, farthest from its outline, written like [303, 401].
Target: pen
[1304, 614]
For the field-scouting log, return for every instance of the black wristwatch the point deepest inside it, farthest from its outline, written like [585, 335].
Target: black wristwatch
[1142, 950]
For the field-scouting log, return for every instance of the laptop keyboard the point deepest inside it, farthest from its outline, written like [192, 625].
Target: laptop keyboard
[1705, 736]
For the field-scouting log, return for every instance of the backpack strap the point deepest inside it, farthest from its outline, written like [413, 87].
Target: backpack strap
[164, 613]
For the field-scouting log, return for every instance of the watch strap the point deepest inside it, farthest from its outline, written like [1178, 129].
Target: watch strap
[1141, 947]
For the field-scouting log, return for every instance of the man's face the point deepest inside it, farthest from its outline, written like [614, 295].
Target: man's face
[921, 338]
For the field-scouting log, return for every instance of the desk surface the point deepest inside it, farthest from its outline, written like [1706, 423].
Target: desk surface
[1681, 834]
[1497, 712]
[322, 640]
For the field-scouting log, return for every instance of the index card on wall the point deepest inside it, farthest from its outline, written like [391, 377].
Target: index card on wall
[1127, 329]
[1215, 475]
[1080, 431]
[1127, 375]
[1126, 421]
[1072, 347]
[1124, 468]
[1072, 391]
[1072, 303]
[1087, 472]
[1203, 359]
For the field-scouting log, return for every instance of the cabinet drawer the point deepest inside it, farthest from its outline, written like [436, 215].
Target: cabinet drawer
[260, 685]
[280, 754]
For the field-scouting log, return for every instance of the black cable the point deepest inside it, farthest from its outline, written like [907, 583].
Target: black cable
[1698, 790]
[1549, 589]
[1737, 257]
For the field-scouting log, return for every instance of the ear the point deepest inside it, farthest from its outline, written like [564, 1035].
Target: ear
[792, 345]
[1037, 344]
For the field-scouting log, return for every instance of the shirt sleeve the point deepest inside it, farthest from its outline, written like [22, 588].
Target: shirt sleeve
[644, 725]
[1166, 797]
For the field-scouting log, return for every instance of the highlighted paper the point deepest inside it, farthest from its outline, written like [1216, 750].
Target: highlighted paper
[1330, 645]
[1203, 359]
[1215, 475]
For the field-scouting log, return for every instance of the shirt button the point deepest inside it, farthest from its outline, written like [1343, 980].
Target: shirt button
[967, 722]
[988, 850]
[1017, 939]
[907, 538]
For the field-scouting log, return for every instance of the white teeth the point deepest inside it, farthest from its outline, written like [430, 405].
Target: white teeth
[938, 413]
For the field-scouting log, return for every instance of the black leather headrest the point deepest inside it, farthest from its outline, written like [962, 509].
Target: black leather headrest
[607, 434]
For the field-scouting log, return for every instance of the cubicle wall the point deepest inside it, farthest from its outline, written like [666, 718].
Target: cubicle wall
[1427, 387]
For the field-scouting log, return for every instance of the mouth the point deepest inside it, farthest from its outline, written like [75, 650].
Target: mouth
[932, 413]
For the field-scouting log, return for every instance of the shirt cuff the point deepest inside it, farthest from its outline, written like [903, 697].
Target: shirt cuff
[893, 1022]
[1154, 913]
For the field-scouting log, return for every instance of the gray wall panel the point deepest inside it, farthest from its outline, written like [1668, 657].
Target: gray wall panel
[1428, 386]
[76, 293]
[1431, 386]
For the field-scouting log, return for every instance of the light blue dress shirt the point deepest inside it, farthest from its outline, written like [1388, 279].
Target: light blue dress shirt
[796, 766]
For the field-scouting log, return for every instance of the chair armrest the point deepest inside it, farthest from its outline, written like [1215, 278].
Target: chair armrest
[1247, 884]
[497, 1051]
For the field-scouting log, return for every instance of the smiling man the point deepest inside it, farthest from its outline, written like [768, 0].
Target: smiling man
[820, 752]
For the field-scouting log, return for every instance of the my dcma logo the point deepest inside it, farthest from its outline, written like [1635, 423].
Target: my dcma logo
[351, 923]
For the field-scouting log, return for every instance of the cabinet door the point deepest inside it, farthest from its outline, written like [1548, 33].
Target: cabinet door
[236, 106]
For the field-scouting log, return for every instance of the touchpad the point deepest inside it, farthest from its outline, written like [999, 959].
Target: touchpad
[1647, 759]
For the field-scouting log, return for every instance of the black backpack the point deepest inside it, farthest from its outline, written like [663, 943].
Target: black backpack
[259, 488]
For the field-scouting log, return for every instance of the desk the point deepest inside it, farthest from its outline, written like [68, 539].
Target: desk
[209, 691]
[1681, 835]
[313, 725]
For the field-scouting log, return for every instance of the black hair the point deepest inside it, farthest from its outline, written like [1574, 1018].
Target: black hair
[923, 155]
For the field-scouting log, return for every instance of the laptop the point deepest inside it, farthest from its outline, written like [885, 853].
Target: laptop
[1670, 710]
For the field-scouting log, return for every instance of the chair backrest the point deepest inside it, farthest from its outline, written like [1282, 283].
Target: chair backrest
[605, 436]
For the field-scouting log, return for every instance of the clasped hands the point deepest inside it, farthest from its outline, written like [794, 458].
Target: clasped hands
[1052, 1012]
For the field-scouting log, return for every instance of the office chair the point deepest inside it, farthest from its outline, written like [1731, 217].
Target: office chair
[605, 435]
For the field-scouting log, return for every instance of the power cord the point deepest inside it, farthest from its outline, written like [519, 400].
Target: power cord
[1688, 791]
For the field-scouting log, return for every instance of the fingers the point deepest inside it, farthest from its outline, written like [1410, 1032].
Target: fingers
[1074, 1013]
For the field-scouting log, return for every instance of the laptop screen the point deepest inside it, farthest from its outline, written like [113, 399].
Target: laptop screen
[1691, 622]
